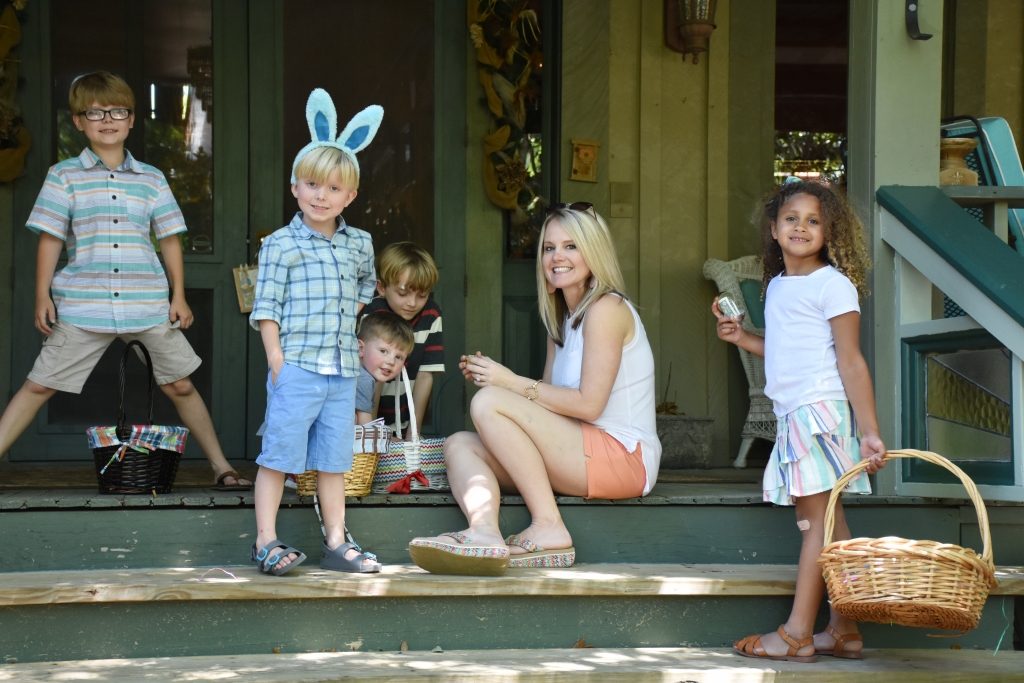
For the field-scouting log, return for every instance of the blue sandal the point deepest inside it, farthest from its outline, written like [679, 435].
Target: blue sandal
[267, 563]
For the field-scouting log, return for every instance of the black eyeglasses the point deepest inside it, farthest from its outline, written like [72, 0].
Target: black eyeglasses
[574, 206]
[116, 114]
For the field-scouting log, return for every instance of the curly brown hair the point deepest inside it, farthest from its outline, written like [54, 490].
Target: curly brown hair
[844, 234]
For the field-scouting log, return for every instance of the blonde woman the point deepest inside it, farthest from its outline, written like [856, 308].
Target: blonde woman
[586, 428]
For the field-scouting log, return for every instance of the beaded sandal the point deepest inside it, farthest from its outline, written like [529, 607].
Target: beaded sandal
[460, 557]
[535, 556]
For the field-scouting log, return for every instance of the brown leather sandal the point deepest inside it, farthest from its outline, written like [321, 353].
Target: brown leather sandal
[751, 647]
[220, 485]
[839, 647]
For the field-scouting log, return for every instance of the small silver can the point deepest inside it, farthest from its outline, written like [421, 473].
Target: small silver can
[729, 308]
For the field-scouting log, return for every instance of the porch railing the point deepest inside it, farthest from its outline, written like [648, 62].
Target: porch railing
[944, 253]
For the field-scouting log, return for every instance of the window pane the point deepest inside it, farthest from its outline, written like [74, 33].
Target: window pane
[164, 51]
[968, 404]
[385, 57]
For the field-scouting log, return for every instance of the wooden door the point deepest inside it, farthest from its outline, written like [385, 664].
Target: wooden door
[182, 60]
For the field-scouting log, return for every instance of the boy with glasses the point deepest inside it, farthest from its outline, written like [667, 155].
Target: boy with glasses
[102, 205]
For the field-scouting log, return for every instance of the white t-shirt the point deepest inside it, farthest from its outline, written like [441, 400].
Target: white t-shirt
[799, 351]
[629, 414]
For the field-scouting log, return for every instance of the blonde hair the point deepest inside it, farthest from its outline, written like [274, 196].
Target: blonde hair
[389, 327]
[320, 163]
[844, 246]
[593, 240]
[400, 257]
[100, 87]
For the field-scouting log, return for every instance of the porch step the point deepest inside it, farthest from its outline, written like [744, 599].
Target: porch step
[677, 523]
[635, 665]
[408, 581]
[234, 610]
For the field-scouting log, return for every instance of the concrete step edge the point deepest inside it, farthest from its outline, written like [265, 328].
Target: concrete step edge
[638, 665]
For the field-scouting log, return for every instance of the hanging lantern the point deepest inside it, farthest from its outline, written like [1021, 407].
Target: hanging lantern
[688, 25]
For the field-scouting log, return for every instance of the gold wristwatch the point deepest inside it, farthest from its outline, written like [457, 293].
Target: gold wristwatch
[530, 392]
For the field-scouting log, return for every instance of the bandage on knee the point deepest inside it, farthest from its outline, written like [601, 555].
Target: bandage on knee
[803, 524]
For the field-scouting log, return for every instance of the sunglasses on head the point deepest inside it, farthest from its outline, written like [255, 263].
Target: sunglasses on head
[574, 206]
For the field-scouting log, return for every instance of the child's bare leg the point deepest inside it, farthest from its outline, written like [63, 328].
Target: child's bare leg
[826, 640]
[192, 411]
[330, 489]
[21, 411]
[810, 518]
[269, 489]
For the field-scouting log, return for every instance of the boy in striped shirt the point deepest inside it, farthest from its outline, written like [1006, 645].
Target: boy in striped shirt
[406, 277]
[101, 206]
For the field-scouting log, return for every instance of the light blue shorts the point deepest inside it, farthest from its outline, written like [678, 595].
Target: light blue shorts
[310, 422]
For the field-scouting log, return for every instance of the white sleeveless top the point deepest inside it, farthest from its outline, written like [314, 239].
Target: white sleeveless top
[629, 414]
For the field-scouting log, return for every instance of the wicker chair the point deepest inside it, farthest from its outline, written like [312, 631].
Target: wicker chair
[727, 275]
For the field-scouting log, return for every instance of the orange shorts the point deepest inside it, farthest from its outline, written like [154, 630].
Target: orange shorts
[612, 472]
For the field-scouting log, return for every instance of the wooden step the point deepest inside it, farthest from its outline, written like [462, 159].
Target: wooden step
[408, 581]
[678, 523]
[637, 665]
[234, 610]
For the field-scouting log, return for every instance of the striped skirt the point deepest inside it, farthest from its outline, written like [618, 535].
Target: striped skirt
[814, 445]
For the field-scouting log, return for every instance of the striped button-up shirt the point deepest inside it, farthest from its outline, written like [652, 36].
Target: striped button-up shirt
[113, 281]
[312, 287]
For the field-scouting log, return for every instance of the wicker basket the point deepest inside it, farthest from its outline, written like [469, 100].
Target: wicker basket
[912, 583]
[358, 480]
[369, 440]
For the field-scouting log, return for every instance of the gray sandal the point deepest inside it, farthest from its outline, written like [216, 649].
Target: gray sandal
[267, 563]
[335, 560]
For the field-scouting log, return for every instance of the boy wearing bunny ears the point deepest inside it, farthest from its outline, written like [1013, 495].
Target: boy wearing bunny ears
[315, 276]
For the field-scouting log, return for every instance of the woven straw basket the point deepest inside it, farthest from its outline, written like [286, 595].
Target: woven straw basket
[358, 480]
[912, 583]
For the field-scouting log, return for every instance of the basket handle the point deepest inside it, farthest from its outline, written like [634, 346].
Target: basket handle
[935, 459]
[414, 431]
[122, 423]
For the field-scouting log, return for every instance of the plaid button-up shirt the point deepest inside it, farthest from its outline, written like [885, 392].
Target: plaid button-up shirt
[312, 287]
[113, 281]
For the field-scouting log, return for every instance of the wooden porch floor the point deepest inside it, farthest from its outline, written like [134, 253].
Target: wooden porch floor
[196, 474]
[27, 486]
[35, 485]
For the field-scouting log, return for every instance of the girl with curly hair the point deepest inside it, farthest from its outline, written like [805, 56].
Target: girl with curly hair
[815, 266]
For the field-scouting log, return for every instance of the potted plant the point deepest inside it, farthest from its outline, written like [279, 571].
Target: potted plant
[685, 440]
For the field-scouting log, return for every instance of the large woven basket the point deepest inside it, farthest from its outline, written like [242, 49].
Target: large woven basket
[893, 580]
[358, 480]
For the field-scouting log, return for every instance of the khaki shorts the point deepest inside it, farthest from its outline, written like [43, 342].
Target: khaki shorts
[70, 353]
[612, 472]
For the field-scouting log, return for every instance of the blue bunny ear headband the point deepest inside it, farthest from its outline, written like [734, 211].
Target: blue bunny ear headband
[323, 124]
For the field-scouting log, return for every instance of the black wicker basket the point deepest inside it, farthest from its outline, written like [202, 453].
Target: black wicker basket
[128, 458]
